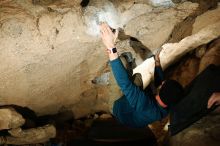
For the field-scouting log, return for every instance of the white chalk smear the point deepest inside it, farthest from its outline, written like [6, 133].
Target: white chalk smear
[108, 13]
[93, 16]
[164, 3]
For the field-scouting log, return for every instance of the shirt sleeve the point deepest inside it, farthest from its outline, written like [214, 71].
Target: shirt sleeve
[134, 94]
[144, 109]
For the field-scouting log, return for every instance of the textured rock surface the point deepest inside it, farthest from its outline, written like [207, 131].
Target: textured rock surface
[192, 64]
[30, 136]
[176, 50]
[204, 132]
[201, 21]
[9, 119]
[48, 59]
[205, 54]
[186, 71]
[154, 28]
[44, 54]
[212, 56]
[171, 52]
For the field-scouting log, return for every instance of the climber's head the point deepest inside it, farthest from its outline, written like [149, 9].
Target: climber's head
[170, 93]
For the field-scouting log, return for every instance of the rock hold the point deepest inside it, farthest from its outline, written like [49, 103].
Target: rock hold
[171, 52]
[31, 136]
[9, 119]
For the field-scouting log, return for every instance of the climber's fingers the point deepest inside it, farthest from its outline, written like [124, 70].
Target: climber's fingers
[214, 99]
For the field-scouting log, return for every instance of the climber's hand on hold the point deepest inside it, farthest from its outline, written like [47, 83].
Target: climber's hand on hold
[214, 99]
[108, 37]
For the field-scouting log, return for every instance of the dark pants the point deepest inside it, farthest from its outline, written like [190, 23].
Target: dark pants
[194, 105]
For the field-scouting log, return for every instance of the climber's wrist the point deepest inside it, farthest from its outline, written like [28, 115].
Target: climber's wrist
[111, 50]
[112, 53]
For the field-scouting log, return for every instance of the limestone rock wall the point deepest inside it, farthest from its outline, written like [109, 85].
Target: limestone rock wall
[204, 55]
[49, 58]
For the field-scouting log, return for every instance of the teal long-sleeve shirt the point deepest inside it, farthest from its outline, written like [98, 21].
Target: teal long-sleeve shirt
[136, 108]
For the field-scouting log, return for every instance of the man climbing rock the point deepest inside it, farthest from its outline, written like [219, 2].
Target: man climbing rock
[138, 108]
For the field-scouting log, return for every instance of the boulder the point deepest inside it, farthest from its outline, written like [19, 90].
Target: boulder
[29, 136]
[212, 55]
[201, 21]
[9, 119]
[154, 28]
[49, 61]
[204, 132]
[172, 52]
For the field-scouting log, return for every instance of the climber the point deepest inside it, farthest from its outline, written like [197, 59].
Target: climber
[138, 108]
